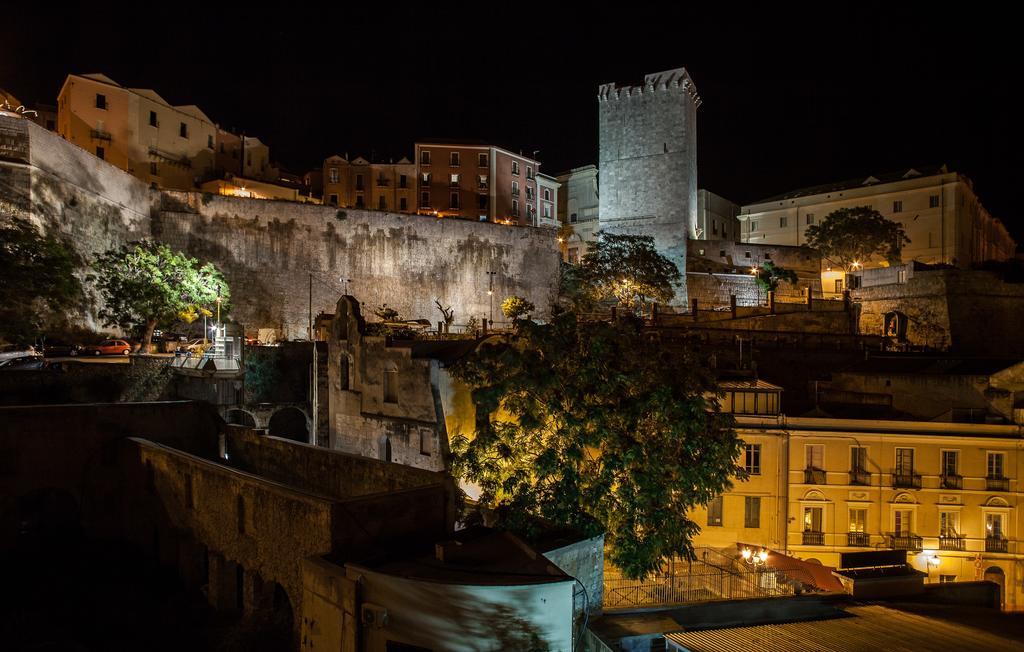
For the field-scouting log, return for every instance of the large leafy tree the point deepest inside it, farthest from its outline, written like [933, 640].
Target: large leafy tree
[855, 235]
[146, 284]
[37, 280]
[768, 276]
[596, 426]
[626, 268]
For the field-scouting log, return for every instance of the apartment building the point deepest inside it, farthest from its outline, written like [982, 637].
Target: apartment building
[547, 205]
[716, 217]
[477, 182]
[358, 183]
[244, 156]
[137, 130]
[946, 493]
[579, 210]
[938, 209]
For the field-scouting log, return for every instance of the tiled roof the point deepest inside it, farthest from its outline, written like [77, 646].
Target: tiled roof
[859, 182]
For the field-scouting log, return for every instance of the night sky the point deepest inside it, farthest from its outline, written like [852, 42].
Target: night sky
[790, 98]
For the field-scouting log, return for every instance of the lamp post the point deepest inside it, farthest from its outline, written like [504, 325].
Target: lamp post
[490, 295]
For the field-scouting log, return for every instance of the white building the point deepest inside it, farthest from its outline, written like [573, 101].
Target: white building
[578, 208]
[547, 200]
[716, 217]
[938, 209]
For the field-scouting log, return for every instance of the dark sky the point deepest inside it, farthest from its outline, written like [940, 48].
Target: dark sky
[790, 99]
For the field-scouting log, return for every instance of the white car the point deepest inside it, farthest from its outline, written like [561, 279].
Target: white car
[12, 351]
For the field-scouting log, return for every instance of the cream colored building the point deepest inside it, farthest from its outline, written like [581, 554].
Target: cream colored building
[947, 493]
[938, 209]
[579, 209]
[358, 183]
[137, 130]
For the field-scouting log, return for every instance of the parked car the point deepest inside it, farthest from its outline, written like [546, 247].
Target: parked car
[10, 351]
[59, 348]
[33, 361]
[195, 347]
[107, 347]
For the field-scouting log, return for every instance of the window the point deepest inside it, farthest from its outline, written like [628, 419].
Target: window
[858, 519]
[573, 256]
[547, 210]
[481, 160]
[897, 206]
[359, 182]
[746, 254]
[809, 218]
[248, 159]
[752, 458]
[721, 253]
[767, 256]
[101, 153]
[547, 194]
[426, 442]
[783, 221]
[839, 286]
[715, 512]
[529, 172]
[359, 201]
[515, 188]
[391, 386]
[529, 192]
[454, 203]
[153, 169]
[995, 463]
[481, 181]
[947, 579]
[949, 524]
[481, 201]
[403, 204]
[209, 141]
[903, 522]
[240, 513]
[994, 525]
[425, 180]
[425, 157]
[453, 179]
[101, 101]
[334, 199]
[424, 200]
[515, 167]
[183, 130]
[813, 519]
[949, 462]
[402, 181]
[152, 119]
[933, 201]
[572, 218]
[753, 225]
[453, 159]
[858, 458]
[751, 511]
[904, 461]
[382, 204]
[815, 456]
[515, 207]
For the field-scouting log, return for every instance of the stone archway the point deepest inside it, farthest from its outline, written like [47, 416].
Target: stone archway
[894, 325]
[290, 423]
[384, 448]
[996, 575]
[238, 416]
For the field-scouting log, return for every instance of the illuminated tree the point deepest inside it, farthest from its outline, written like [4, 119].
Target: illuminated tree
[626, 268]
[515, 307]
[851, 236]
[769, 276]
[600, 428]
[145, 284]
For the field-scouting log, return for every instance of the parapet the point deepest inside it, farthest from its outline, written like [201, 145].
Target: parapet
[676, 79]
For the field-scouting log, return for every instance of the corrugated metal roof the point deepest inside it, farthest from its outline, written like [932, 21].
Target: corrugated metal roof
[870, 627]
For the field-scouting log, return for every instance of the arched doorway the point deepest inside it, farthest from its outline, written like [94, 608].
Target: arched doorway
[289, 423]
[895, 325]
[240, 418]
[384, 448]
[996, 574]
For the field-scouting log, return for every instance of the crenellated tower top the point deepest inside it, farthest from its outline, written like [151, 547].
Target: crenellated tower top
[669, 80]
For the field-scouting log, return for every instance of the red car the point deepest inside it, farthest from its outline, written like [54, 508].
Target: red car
[107, 347]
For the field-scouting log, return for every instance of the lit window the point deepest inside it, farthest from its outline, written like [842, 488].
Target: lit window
[858, 519]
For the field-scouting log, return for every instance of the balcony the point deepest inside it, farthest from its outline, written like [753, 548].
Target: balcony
[481, 186]
[814, 476]
[858, 539]
[997, 483]
[814, 538]
[996, 544]
[515, 193]
[97, 134]
[951, 482]
[906, 480]
[860, 477]
[904, 541]
[951, 542]
[383, 183]
[453, 184]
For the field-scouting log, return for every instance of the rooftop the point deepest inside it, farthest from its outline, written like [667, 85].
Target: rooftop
[859, 182]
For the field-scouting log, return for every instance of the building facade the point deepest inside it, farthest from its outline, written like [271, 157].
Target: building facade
[138, 131]
[648, 162]
[358, 183]
[938, 209]
[579, 204]
[716, 217]
[477, 182]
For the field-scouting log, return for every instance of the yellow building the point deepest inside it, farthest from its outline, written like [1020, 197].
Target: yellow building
[137, 130]
[361, 184]
[947, 493]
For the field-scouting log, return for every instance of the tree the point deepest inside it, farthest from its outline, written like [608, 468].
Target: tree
[626, 268]
[516, 307]
[145, 284]
[598, 427]
[769, 276]
[851, 236]
[37, 280]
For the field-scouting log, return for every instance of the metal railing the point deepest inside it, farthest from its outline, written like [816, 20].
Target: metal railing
[812, 538]
[858, 539]
[905, 542]
[951, 542]
[906, 480]
[952, 481]
[860, 477]
[98, 134]
[814, 476]
[996, 544]
[997, 483]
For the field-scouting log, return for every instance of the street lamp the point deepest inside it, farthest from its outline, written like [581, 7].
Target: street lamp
[490, 295]
[755, 559]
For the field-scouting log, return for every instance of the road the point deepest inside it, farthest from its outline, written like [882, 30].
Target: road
[105, 359]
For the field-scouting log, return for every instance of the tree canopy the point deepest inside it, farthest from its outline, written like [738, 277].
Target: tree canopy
[854, 235]
[145, 284]
[626, 268]
[37, 280]
[596, 426]
[769, 276]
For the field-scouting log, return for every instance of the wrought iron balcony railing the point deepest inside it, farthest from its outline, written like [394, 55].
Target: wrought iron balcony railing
[906, 480]
[951, 542]
[860, 477]
[814, 476]
[997, 483]
[814, 538]
[952, 481]
[904, 541]
[996, 544]
[858, 539]
[98, 134]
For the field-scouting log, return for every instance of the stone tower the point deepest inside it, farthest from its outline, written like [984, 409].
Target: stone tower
[648, 162]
